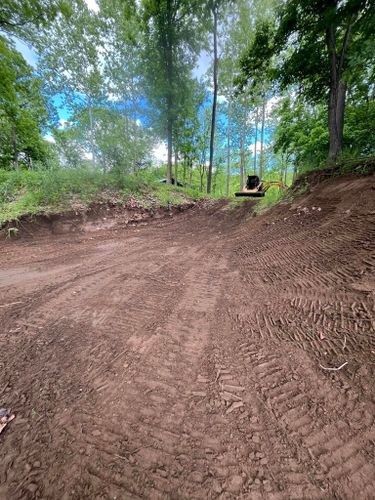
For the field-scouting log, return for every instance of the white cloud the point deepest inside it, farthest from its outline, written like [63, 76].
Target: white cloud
[87, 156]
[271, 103]
[113, 97]
[49, 138]
[251, 148]
[63, 123]
[138, 122]
[221, 98]
[160, 152]
[92, 5]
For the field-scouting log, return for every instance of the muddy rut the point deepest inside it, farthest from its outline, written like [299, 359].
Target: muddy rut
[189, 357]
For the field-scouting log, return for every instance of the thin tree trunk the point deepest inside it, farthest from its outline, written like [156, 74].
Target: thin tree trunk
[92, 144]
[169, 69]
[170, 145]
[286, 171]
[228, 152]
[185, 161]
[14, 147]
[213, 120]
[295, 173]
[175, 167]
[256, 140]
[242, 160]
[262, 138]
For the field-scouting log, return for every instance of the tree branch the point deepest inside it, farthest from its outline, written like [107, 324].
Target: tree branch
[344, 47]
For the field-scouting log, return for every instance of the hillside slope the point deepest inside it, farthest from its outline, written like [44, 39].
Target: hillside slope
[190, 358]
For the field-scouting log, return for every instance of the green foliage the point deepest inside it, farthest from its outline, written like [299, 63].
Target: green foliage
[23, 17]
[49, 191]
[23, 110]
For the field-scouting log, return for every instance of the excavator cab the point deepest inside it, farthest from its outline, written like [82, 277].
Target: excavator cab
[256, 188]
[252, 188]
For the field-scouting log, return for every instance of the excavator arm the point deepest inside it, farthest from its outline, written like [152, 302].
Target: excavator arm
[264, 186]
[261, 189]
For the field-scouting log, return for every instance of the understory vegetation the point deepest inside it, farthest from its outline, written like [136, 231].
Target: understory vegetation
[101, 100]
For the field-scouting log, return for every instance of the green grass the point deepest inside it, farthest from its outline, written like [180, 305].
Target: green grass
[51, 191]
[272, 197]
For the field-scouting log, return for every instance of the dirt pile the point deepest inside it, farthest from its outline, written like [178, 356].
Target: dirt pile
[191, 358]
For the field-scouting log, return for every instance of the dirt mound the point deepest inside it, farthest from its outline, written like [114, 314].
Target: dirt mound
[353, 168]
[197, 357]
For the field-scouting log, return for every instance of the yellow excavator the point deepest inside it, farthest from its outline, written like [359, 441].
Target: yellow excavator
[256, 188]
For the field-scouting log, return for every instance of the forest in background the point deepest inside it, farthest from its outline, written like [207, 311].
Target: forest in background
[285, 87]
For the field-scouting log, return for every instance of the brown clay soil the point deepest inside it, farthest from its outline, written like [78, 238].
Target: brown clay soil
[183, 358]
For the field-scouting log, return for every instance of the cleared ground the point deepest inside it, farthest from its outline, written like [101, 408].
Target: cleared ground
[183, 358]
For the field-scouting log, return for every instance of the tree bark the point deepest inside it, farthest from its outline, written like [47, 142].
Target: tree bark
[228, 152]
[337, 91]
[169, 69]
[92, 142]
[242, 161]
[340, 112]
[170, 145]
[213, 119]
[184, 174]
[14, 147]
[201, 175]
[295, 173]
[175, 167]
[262, 138]
[256, 140]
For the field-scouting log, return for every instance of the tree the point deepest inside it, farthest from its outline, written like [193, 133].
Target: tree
[317, 45]
[215, 8]
[23, 110]
[69, 61]
[170, 50]
[22, 17]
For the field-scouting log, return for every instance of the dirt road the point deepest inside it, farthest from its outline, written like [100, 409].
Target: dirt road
[189, 358]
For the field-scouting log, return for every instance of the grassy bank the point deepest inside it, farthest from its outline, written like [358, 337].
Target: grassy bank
[51, 191]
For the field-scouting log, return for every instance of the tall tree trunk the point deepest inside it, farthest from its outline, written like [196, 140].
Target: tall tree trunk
[242, 160]
[337, 91]
[262, 138]
[295, 173]
[14, 147]
[228, 152]
[170, 145]
[340, 111]
[185, 161]
[286, 170]
[213, 119]
[256, 140]
[92, 142]
[175, 167]
[169, 70]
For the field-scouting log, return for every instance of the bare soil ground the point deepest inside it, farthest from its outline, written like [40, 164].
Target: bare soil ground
[183, 358]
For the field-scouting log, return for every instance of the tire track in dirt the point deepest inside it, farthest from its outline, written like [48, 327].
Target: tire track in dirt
[181, 360]
[153, 408]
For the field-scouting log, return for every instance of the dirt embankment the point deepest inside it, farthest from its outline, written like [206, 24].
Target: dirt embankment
[195, 357]
[96, 217]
